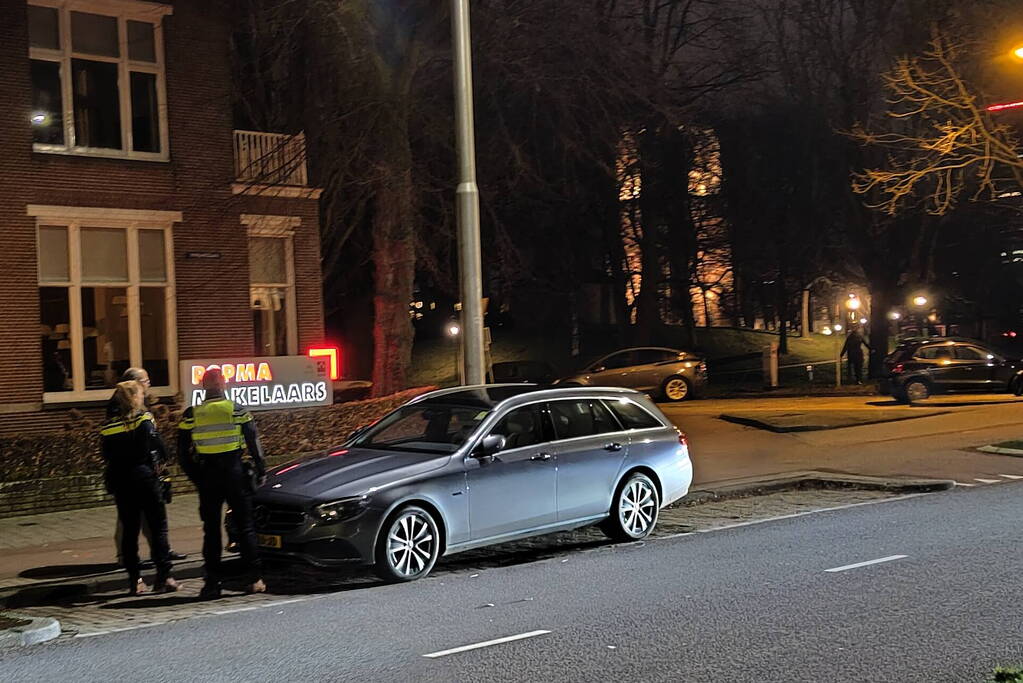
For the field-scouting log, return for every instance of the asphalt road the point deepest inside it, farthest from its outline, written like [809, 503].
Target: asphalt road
[938, 446]
[752, 603]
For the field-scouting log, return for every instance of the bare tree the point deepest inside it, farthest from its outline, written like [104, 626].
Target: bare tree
[940, 140]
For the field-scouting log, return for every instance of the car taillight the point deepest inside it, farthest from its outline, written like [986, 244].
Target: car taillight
[898, 368]
[682, 438]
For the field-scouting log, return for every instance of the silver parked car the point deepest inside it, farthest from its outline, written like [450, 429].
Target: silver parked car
[667, 374]
[463, 468]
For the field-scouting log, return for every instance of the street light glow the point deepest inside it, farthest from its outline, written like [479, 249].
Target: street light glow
[894, 315]
[454, 329]
[838, 328]
[920, 300]
[1018, 52]
[853, 303]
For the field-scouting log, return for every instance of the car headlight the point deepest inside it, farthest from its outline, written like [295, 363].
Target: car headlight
[339, 510]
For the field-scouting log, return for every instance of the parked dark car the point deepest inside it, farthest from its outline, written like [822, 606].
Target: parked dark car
[463, 468]
[921, 367]
[666, 374]
[526, 371]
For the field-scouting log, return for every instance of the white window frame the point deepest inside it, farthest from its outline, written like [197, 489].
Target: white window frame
[130, 220]
[124, 11]
[280, 227]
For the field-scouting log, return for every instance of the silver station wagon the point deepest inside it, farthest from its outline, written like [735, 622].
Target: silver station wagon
[463, 468]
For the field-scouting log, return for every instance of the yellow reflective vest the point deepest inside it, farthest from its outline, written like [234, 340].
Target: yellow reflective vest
[216, 426]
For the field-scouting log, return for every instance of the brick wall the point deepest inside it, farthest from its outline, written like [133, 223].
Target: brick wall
[212, 295]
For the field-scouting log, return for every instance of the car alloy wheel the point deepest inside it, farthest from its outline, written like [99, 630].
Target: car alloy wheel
[635, 509]
[409, 547]
[676, 389]
[917, 391]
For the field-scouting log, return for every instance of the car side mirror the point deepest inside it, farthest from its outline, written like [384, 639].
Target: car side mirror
[490, 445]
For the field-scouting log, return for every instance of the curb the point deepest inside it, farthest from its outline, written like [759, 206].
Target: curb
[38, 630]
[36, 594]
[738, 488]
[998, 450]
[767, 426]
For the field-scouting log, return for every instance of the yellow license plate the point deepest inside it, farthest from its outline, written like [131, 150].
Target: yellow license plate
[268, 540]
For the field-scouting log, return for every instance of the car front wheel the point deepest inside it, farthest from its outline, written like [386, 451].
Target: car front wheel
[676, 389]
[408, 546]
[634, 509]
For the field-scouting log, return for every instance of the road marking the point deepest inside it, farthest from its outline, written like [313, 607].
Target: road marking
[986, 481]
[959, 483]
[488, 643]
[890, 558]
[1010, 476]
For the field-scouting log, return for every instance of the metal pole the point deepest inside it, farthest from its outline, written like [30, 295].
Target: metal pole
[467, 198]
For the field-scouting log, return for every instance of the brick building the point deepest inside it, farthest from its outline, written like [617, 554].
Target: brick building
[136, 226]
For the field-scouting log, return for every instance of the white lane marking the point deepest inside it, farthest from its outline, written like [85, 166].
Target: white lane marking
[890, 558]
[959, 483]
[488, 643]
[985, 481]
[1011, 476]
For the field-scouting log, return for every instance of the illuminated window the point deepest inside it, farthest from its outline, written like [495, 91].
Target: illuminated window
[98, 78]
[272, 282]
[106, 296]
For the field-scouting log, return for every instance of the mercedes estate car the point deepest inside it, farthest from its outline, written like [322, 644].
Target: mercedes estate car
[667, 374]
[463, 468]
[924, 366]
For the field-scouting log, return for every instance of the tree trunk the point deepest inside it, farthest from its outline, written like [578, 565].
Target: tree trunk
[394, 261]
[881, 297]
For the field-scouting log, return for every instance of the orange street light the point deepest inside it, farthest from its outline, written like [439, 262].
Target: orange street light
[1018, 52]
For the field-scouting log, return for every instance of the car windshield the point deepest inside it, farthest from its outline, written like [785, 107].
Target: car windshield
[424, 428]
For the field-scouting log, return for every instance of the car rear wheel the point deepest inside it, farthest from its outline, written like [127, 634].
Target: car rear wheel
[408, 546]
[917, 390]
[634, 509]
[676, 389]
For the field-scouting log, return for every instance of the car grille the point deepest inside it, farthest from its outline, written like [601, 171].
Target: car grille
[277, 519]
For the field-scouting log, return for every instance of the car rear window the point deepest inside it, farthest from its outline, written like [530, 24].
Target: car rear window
[632, 416]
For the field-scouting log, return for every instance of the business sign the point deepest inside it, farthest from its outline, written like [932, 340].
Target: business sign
[272, 383]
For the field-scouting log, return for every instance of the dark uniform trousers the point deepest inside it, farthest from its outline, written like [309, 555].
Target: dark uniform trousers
[136, 500]
[222, 479]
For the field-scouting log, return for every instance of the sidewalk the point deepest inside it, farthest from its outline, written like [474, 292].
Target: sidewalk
[37, 550]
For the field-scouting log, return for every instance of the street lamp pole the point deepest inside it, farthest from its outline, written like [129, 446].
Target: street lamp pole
[468, 199]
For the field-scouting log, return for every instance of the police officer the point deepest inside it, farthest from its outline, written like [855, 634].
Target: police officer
[210, 441]
[142, 377]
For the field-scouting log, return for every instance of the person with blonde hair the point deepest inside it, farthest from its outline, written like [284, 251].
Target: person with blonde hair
[135, 453]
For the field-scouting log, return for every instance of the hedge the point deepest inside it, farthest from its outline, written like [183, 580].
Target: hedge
[76, 450]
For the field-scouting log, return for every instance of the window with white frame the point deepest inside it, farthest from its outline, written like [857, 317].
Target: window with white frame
[98, 77]
[106, 299]
[272, 284]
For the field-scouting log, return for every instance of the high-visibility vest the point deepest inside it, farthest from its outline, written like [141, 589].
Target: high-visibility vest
[216, 426]
[123, 426]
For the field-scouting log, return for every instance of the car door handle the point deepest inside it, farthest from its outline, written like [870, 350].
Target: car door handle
[612, 447]
[541, 457]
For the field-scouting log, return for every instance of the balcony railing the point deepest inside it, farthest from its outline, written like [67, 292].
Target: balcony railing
[270, 158]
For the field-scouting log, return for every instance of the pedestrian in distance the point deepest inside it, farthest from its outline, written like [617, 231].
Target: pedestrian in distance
[142, 377]
[853, 349]
[135, 455]
[211, 439]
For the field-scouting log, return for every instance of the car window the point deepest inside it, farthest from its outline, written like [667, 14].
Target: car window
[424, 427]
[618, 360]
[581, 418]
[520, 428]
[935, 353]
[633, 416]
[645, 356]
[970, 353]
